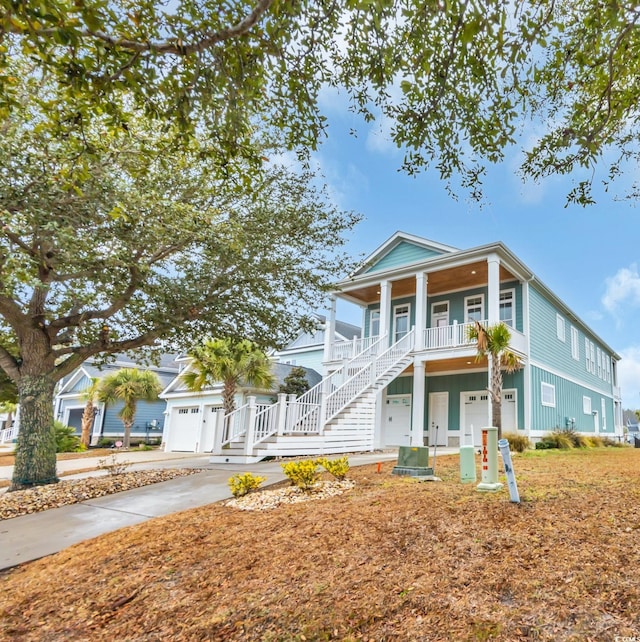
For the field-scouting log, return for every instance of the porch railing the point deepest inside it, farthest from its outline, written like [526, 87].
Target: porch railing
[350, 349]
[449, 336]
[8, 434]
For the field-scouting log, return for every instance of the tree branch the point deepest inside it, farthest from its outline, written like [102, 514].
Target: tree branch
[9, 364]
[80, 355]
[177, 47]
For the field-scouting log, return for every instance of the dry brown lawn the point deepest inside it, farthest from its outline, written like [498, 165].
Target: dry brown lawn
[392, 559]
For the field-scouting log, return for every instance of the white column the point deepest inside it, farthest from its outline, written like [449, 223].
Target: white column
[421, 309]
[330, 329]
[385, 308]
[417, 405]
[493, 303]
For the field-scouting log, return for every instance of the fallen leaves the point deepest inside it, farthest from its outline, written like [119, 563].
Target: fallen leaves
[390, 559]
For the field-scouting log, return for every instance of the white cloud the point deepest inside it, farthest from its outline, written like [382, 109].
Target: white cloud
[622, 288]
[629, 377]
[379, 136]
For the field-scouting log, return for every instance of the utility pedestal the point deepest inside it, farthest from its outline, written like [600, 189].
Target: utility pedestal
[413, 461]
[489, 460]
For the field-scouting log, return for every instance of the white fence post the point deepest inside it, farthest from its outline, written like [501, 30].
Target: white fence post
[250, 419]
[282, 413]
[218, 432]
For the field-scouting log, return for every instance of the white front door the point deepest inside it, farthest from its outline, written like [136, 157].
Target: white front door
[438, 418]
[397, 420]
[596, 422]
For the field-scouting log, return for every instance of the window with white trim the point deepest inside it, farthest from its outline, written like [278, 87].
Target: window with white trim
[608, 360]
[587, 362]
[506, 307]
[474, 308]
[599, 361]
[575, 345]
[548, 394]
[400, 321]
[586, 405]
[560, 328]
[374, 323]
[592, 349]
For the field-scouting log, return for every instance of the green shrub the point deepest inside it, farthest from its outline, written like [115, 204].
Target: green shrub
[240, 485]
[517, 443]
[303, 474]
[66, 440]
[557, 439]
[336, 467]
[611, 443]
[105, 443]
[578, 440]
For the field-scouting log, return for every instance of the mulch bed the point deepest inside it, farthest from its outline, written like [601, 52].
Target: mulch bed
[33, 500]
[389, 559]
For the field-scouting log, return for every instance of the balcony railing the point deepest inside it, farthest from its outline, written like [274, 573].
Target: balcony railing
[349, 349]
[449, 336]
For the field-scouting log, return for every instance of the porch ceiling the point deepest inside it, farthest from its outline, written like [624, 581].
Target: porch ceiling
[464, 276]
[451, 365]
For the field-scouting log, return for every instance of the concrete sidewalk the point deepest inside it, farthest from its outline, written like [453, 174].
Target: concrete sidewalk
[24, 539]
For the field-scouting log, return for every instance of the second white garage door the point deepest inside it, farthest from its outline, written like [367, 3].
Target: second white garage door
[475, 413]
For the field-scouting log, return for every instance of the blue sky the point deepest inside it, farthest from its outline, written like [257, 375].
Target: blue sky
[587, 256]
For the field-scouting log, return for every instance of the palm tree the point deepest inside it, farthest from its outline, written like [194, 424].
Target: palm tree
[232, 363]
[128, 385]
[493, 342]
[89, 394]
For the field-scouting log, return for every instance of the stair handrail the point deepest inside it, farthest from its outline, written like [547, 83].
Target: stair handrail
[234, 425]
[367, 375]
[312, 399]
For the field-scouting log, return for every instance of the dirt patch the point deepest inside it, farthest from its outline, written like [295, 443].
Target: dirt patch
[389, 559]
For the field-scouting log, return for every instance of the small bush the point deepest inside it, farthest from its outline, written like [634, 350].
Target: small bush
[578, 440]
[113, 466]
[611, 443]
[303, 474]
[105, 443]
[517, 443]
[241, 485]
[336, 467]
[66, 440]
[593, 441]
[557, 439]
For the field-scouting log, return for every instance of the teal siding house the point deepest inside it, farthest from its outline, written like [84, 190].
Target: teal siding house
[432, 293]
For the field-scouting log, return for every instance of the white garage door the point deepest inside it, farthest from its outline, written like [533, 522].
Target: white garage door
[185, 429]
[476, 413]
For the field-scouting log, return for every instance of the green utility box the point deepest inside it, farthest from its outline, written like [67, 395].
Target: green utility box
[414, 461]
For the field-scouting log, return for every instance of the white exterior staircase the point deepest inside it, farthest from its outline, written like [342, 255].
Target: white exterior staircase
[335, 416]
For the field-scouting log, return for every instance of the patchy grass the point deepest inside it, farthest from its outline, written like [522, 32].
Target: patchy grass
[392, 559]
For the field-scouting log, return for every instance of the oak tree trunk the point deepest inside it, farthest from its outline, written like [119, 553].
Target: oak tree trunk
[35, 461]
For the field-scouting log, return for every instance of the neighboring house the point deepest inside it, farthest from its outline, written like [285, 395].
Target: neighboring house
[307, 348]
[191, 416]
[413, 377]
[149, 421]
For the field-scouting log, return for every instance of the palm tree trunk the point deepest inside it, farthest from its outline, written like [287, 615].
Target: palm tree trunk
[496, 394]
[88, 417]
[35, 462]
[229, 396]
[127, 434]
